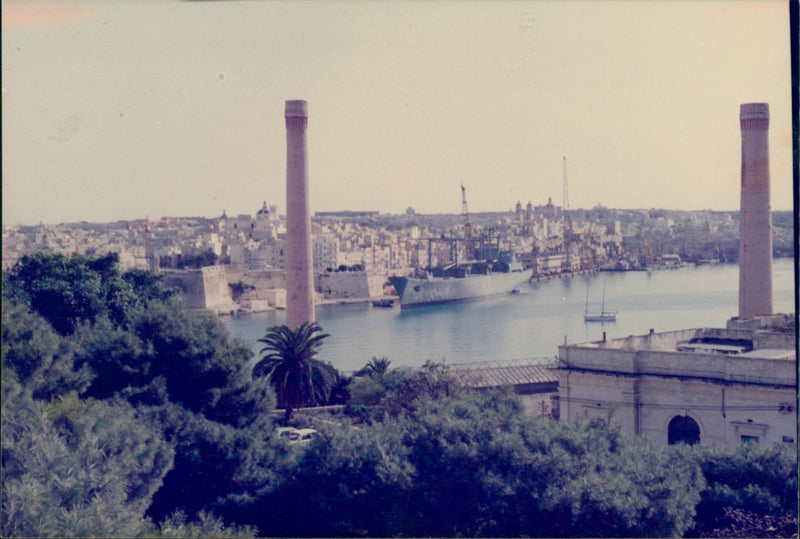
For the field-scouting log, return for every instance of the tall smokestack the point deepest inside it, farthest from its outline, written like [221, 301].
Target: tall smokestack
[299, 276]
[755, 243]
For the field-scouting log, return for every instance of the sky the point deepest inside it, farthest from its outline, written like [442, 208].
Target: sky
[125, 110]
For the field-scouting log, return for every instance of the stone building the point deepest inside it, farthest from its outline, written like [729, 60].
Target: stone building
[707, 386]
[535, 382]
[263, 226]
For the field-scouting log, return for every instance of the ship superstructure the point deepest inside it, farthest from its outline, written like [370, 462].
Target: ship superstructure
[461, 281]
[483, 271]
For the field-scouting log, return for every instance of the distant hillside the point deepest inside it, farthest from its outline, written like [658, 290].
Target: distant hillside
[783, 219]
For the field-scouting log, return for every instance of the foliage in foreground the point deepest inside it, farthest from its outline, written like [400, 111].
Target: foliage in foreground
[752, 491]
[75, 467]
[133, 408]
[120, 410]
[474, 465]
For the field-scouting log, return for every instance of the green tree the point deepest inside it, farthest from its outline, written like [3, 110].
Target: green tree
[353, 480]
[398, 391]
[289, 362]
[197, 260]
[217, 466]
[69, 289]
[37, 357]
[75, 467]
[134, 348]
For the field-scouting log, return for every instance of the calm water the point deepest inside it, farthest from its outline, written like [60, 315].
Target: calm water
[528, 325]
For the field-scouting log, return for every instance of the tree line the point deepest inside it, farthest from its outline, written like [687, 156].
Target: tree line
[125, 415]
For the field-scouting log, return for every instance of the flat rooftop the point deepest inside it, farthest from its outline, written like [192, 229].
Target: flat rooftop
[751, 353]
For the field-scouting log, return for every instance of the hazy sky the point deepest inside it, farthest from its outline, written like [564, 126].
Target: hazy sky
[122, 110]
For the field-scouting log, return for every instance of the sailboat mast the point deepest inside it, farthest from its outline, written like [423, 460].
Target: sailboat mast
[603, 305]
[586, 311]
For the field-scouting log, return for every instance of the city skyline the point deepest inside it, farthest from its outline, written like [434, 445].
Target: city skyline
[126, 110]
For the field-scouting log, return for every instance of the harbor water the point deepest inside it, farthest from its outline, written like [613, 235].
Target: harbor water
[531, 324]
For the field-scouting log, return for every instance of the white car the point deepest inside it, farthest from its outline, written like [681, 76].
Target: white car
[306, 435]
[288, 433]
[296, 436]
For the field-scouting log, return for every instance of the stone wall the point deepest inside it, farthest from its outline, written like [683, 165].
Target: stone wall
[190, 283]
[351, 284]
[260, 279]
[205, 288]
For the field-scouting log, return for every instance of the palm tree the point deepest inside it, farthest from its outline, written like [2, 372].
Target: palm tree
[288, 360]
[376, 367]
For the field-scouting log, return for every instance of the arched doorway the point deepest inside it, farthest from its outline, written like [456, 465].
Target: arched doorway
[683, 430]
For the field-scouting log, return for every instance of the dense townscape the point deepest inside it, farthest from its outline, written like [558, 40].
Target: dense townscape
[382, 244]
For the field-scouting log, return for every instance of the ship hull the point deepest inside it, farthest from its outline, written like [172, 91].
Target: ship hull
[415, 292]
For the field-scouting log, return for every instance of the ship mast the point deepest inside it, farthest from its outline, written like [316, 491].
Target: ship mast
[465, 219]
[567, 226]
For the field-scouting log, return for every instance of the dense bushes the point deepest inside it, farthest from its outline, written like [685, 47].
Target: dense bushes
[474, 465]
[752, 491]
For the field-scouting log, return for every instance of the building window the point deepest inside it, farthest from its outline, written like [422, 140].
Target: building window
[683, 430]
[750, 432]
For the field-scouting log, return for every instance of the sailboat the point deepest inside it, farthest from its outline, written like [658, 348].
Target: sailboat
[603, 315]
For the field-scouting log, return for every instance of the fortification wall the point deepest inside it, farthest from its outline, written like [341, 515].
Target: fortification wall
[264, 289]
[190, 284]
[351, 284]
[205, 288]
[264, 281]
[216, 291]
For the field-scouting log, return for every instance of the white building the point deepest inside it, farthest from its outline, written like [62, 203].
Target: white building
[325, 252]
[708, 386]
[268, 255]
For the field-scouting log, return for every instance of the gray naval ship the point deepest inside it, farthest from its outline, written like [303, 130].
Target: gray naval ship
[463, 281]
